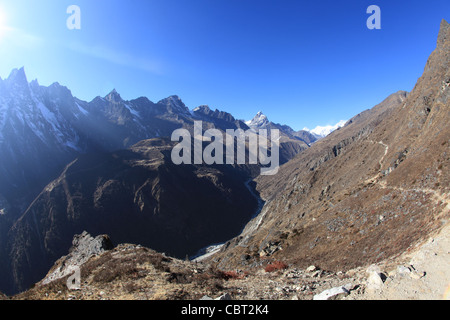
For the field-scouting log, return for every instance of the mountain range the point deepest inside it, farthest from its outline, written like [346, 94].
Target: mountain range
[44, 128]
[362, 194]
[323, 131]
[46, 131]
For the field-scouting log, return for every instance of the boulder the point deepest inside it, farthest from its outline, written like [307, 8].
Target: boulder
[375, 280]
[334, 293]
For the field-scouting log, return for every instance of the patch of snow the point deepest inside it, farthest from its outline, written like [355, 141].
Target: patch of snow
[82, 110]
[72, 145]
[133, 112]
[207, 252]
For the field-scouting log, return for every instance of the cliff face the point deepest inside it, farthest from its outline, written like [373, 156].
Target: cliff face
[368, 192]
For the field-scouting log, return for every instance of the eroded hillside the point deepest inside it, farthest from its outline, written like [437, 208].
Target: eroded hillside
[366, 193]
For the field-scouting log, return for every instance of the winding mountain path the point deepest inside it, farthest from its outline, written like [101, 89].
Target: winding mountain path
[376, 180]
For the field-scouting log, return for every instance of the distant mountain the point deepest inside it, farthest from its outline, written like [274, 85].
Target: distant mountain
[259, 121]
[44, 128]
[322, 131]
[38, 132]
[221, 119]
[291, 142]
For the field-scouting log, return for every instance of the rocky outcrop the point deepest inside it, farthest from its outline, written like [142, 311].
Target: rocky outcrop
[84, 246]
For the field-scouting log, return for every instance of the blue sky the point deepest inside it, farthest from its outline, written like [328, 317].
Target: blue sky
[303, 63]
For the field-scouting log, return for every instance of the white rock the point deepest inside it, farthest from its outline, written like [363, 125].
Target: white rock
[374, 281]
[311, 268]
[334, 293]
[225, 296]
[402, 270]
[416, 274]
[373, 268]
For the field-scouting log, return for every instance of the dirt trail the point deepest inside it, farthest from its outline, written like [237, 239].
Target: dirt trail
[386, 149]
[429, 278]
[377, 180]
[429, 263]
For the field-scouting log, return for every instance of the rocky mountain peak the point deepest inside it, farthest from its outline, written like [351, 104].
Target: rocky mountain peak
[17, 81]
[175, 105]
[443, 33]
[259, 120]
[113, 96]
[18, 75]
[203, 109]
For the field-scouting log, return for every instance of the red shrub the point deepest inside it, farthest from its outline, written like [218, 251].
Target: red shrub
[227, 275]
[275, 266]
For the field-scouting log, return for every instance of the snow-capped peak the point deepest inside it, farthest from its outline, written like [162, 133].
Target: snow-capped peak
[323, 131]
[260, 120]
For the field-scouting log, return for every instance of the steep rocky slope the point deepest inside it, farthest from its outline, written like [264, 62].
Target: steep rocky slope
[133, 272]
[367, 192]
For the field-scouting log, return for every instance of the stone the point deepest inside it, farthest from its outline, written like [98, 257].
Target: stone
[335, 293]
[245, 257]
[225, 296]
[402, 270]
[311, 268]
[373, 268]
[374, 281]
[416, 274]
[316, 274]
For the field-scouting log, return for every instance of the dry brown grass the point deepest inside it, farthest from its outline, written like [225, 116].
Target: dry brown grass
[276, 266]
